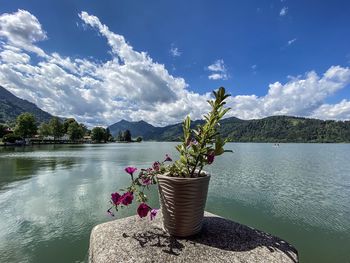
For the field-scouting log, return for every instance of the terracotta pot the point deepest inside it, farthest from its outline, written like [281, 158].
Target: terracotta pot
[182, 202]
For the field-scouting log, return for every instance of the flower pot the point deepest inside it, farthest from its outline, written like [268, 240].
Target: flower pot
[182, 202]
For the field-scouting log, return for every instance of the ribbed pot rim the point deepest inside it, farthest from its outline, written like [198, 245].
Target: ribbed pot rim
[173, 178]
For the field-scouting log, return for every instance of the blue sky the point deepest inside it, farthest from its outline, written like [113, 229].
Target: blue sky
[275, 57]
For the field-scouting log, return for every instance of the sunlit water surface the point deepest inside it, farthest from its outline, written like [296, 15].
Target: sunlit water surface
[51, 196]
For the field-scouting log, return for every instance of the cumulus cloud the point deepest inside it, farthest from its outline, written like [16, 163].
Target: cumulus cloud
[301, 96]
[22, 29]
[284, 11]
[218, 70]
[129, 86]
[338, 111]
[11, 56]
[132, 86]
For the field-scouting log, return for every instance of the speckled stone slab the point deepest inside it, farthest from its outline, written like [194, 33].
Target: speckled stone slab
[133, 239]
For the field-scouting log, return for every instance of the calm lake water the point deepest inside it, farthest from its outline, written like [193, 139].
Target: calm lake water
[51, 196]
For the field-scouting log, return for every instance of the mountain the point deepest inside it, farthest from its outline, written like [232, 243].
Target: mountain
[270, 129]
[148, 131]
[12, 106]
[137, 128]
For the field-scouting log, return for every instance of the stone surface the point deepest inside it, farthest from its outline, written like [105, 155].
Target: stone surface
[133, 239]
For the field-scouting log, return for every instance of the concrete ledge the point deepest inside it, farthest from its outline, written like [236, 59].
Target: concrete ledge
[133, 239]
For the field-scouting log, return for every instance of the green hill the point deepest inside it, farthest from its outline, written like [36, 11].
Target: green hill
[286, 129]
[12, 106]
[270, 129]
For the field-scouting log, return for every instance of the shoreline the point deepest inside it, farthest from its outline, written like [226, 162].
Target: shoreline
[91, 143]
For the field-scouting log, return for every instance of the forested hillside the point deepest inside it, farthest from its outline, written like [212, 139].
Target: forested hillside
[270, 129]
[12, 106]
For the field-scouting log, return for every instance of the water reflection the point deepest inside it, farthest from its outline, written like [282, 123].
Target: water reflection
[53, 212]
[14, 168]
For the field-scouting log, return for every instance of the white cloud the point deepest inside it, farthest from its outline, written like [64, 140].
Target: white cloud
[22, 29]
[174, 51]
[218, 70]
[284, 11]
[129, 86]
[338, 111]
[219, 65]
[132, 86]
[120, 48]
[300, 96]
[291, 41]
[253, 67]
[215, 76]
[10, 56]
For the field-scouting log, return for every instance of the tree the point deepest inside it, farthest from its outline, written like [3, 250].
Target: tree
[75, 131]
[98, 134]
[85, 129]
[66, 124]
[2, 130]
[108, 135]
[124, 136]
[44, 129]
[25, 125]
[56, 127]
[127, 136]
[120, 136]
[11, 138]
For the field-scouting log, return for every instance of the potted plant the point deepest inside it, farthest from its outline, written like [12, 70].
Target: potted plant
[183, 184]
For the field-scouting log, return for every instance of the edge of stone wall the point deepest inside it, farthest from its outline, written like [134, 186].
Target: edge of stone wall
[133, 239]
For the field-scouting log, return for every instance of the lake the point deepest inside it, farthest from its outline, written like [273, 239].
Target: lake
[51, 196]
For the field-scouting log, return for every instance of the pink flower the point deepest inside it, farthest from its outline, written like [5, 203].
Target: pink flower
[143, 210]
[115, 198]
[156, 166]
[130, 170]
[167, 158]
[146, 181]
[127, 198]
[153, 213]
[210, 157]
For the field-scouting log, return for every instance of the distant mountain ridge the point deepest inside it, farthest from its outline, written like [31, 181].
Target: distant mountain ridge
[137, 128]
[269, 129]
[12, 106]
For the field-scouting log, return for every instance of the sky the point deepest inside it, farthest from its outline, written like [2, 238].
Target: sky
[158, 61]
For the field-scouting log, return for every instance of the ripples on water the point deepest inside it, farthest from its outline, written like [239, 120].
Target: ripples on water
[308, 183]
[51, 196]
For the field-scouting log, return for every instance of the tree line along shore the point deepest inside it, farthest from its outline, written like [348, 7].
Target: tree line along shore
[26, 130]
[273, 129]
